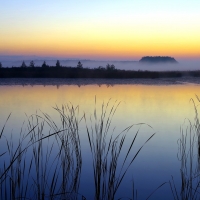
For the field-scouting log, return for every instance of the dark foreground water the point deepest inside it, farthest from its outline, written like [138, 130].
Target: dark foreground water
[164, 104]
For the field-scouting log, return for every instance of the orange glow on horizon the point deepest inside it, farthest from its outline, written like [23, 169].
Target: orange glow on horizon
[96, 44]
[107, 52]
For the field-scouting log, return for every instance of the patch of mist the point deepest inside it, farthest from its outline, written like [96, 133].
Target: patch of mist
[182, 65]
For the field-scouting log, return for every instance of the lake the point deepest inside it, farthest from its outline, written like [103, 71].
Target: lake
[163, 105]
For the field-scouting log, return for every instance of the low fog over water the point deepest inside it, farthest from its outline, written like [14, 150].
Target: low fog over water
[183, 64]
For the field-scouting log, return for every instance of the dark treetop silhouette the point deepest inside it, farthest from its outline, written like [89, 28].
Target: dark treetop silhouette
[32, 64]
[58, 63]
[23, 65]
[79, 65]
[44, 65]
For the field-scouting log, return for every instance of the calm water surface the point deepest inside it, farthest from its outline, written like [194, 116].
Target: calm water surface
[163, 104]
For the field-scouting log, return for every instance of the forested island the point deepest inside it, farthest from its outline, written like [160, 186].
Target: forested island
[158, 59]
[58, 71]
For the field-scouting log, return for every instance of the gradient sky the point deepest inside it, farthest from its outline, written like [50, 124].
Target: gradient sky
[103, 29]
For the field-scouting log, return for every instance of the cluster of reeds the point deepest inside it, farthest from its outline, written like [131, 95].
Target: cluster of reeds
[45, 162]
[189, 156]
[106, 148]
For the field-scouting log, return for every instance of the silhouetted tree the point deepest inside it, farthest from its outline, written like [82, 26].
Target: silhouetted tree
[32, 64]
[0, 65]
[58, 63]
[110, 67]
[79, 65]
[101, 68]
[107, 66]
[44, 65]
[23, 64]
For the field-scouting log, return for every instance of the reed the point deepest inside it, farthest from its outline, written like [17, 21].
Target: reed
[70, 150]
[106, 148]
[189, 156]
[43, 164]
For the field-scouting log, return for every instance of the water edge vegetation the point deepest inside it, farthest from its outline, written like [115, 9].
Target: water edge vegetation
[56, 174]
[110, 72]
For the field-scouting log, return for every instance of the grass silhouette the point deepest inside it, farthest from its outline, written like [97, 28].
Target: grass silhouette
[46, 160]
[38, 170]
[189, 156]
[106, 148]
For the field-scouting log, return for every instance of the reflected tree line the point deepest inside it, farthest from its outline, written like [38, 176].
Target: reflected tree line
[78, 85]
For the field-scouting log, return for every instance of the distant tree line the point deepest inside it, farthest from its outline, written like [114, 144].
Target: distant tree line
[44, 65]
[108, 67]
[59, 71]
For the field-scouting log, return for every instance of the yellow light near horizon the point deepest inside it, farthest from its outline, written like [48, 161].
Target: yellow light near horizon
[104, 41]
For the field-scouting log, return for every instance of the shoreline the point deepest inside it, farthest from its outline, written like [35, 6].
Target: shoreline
[97, 73]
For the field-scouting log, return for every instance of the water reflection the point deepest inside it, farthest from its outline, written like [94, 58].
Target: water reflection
[109, 82]
[163, 106]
